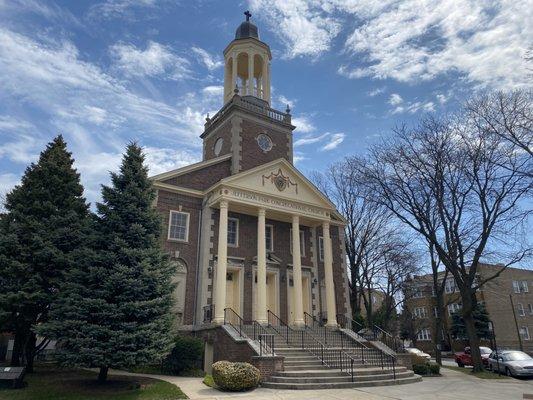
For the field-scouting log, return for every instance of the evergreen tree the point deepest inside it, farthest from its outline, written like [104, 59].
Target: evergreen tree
[481, 319]
[116, 311]
[40, 234]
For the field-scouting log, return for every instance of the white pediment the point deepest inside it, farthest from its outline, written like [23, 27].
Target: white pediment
[279, 179]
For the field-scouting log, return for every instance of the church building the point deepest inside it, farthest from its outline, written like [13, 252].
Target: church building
[245, 229]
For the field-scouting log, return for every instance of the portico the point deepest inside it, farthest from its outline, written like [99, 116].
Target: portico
[275, 191]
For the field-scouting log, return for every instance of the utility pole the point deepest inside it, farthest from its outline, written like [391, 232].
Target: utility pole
[516, 323]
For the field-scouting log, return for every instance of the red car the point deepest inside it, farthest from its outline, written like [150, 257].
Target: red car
[465, 357]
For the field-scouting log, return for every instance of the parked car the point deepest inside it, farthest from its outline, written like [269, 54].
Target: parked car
[417, 352]
[463, 358]
[511, 363]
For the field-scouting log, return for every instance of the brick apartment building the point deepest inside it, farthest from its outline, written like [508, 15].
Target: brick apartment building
[512, 285]
[229, 220]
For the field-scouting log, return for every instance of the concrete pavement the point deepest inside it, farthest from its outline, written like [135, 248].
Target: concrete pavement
[452, 385]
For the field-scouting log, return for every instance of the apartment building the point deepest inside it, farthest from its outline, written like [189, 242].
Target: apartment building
[509, 292]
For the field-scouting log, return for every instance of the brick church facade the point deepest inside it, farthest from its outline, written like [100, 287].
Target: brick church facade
[229, 219]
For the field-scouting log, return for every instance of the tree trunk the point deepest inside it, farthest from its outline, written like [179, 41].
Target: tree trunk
[102, 375]
[470, 325]
[18, 348]
[29, 351]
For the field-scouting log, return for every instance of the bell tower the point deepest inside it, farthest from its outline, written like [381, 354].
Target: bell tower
[247, 64]
[247, 131]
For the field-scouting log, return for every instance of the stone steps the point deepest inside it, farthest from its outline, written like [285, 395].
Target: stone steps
[340, 377]
[340, 385]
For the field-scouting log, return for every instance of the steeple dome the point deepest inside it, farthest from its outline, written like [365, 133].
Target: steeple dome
[247, 29]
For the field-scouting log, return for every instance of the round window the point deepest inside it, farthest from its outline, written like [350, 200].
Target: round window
[264, 142]
[218, 146]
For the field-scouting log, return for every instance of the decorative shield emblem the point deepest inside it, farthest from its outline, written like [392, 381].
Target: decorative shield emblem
[280, 182]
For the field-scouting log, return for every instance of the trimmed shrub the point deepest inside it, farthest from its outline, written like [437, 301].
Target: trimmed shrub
[235, 377]
[185, 355]
[417, 360]
[420, 369]
[434, 369]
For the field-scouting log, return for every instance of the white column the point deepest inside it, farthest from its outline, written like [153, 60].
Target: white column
[267, 83]
[261, 311]
[233, 74]
[251, 73]
[328, 272]
[297, 272]
[264, 77]
[222, 264]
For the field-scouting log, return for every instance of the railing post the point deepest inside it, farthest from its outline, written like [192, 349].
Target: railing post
[381, 354]
[351, 362]
[322, 352]
[302, 339]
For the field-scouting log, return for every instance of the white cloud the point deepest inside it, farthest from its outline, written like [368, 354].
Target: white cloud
[161, 160]
[395, 99]
[285, 101]
[442, 98]
[303, 124]
[414, 107]
[155, 60]
[214, 90]
[210, 61]
[310, 140]
[304, 28]
[335, 140]
[7, 182]
[411, 40]
[119, 8]
[376, 91]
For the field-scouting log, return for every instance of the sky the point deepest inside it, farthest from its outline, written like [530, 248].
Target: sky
[104, 73]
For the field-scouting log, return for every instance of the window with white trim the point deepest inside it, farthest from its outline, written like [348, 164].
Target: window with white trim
[453, 308]
[520, 287]
[321, 248]
[450, 286]
[178, 226]
[524, 332]
[424, 335]
[420, 312]
[269, 237]
[417, 292]
[302, 243]
[521, 310]
[435, 312]
[530, 308]
[233, 232]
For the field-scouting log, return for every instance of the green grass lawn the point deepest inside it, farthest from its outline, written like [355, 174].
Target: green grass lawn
[51, 383]
[481, 375]
[208, 380]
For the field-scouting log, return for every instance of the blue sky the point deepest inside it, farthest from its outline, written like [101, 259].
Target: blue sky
[103, 73]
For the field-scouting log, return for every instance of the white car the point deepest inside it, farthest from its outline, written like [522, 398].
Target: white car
[417, 352]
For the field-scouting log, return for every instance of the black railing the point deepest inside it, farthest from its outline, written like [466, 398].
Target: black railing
[234, 320]
[389, 340]
[333, 358]
[348, 323]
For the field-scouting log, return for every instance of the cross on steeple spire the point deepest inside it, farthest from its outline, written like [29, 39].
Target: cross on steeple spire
[248, 15]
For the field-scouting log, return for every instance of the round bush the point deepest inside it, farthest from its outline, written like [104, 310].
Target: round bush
[235, 377]
[186, 354]
[420, 369]
[434, 369]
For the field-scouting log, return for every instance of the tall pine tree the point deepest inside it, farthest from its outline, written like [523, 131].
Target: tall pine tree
[40, 235]
[116, 312]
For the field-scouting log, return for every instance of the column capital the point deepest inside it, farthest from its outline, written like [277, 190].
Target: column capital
[223, 204]
[295, 219]
[261, 211]
[325, 225]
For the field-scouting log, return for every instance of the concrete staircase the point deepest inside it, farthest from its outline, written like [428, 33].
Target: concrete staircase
[304, 370]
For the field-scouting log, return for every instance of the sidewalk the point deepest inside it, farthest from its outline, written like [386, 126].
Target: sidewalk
[451, 386]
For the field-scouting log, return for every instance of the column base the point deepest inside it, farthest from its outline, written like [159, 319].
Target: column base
[262, 321]
[333, 324]
[299, 323]
[218, 320]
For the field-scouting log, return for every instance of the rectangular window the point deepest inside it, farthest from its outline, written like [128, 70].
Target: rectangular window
[521, 310]
[520, 287]
[269, 236]
[178, 226]
[302, 243]
[420, 312]
[424, 334]
[453, 308]
[530, 308]
[233, 232]
[321, 248]
[524, 332]
[450, 286]
[435, 312]
[417, 292]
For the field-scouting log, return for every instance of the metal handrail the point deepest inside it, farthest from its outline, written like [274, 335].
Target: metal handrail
[343, 321]
[330, 357]
[391, 341]
[228, 319]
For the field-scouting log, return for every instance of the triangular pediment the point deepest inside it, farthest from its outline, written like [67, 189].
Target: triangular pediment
[279, 179]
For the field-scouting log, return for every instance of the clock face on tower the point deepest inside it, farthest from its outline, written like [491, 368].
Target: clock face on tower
[264, 142]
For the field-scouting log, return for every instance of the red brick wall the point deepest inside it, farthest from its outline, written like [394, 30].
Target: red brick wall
[251, 154]
[188, 252]
[209, 143]
[203, 178]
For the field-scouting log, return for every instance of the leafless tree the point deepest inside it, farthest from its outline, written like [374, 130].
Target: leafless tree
[460, 190]
[508, 115]
[366, 227]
